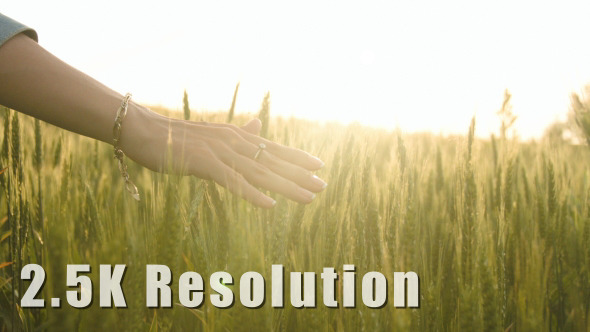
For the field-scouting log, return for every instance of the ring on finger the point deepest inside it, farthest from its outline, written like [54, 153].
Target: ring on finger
[261, 147]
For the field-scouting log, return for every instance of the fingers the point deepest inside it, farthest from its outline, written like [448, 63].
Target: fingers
[297, 174]
[291, 155]
[253, 127]
[237, 184]
[261, 176]
[279, 169]
[237, 148]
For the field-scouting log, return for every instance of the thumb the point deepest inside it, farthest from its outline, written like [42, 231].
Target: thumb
[253, 126]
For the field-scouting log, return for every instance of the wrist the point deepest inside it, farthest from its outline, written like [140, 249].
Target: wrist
[142, 130]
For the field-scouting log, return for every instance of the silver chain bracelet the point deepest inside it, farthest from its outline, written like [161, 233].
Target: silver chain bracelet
[119, 154]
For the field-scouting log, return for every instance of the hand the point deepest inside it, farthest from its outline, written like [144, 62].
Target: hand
[221, 152]
[37, 83]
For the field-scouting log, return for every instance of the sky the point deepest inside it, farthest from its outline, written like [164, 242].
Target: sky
[416, 65]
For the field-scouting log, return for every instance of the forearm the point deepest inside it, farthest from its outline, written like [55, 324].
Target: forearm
[35, 82]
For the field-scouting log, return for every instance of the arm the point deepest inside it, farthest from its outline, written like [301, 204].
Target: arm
[35, 82]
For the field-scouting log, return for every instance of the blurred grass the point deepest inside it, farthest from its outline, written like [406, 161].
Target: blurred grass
[498, 231]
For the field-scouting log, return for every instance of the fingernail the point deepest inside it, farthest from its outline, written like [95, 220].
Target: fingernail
[319, 161]
[319, 182]
[306, 194]
[270, 201]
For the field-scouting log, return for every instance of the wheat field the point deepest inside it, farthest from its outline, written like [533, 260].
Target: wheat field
[498, 230]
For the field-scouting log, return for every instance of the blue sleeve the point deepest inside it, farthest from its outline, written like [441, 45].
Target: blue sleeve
[10, 28]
